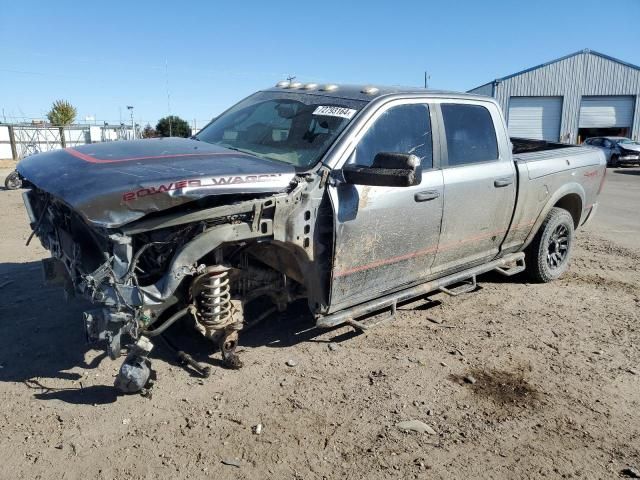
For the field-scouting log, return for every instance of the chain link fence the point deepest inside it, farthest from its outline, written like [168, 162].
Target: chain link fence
[19, 140]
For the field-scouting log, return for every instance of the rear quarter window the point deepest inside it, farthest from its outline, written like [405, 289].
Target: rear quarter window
[471, 135]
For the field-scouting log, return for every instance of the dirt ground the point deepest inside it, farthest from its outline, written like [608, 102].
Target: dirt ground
[555, 391]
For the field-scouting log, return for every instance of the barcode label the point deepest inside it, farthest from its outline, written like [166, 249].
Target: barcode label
[329, 111]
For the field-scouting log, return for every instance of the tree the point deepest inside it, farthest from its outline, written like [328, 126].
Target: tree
[173, 126]
[62, 113]
[149, 132]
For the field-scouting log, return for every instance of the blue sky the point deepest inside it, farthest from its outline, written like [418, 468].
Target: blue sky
[102, 56]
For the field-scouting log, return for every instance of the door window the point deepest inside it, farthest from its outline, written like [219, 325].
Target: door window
[401, 129]
[471, 136]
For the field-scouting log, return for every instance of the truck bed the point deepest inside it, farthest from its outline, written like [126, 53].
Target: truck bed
[544, 169]
[552, 157]
[526, 145]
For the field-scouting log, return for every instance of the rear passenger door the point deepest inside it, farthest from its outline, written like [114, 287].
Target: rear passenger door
[479, 185]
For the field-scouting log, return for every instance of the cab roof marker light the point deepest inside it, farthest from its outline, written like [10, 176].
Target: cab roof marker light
[310, 86]
[370, 90]
[282, 84]
[329, 88]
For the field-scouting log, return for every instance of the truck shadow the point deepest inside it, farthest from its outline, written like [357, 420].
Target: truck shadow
[279, 330]
[495, 277]
[42, 342]
[625, 171]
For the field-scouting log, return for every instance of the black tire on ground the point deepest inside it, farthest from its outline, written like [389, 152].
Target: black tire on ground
[548, 255]
[613, 162]
[12, 182]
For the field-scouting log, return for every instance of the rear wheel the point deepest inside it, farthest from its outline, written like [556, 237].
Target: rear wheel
[548, 255]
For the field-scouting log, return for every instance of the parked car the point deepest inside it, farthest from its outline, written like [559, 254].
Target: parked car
[619, 151]
[352, 198]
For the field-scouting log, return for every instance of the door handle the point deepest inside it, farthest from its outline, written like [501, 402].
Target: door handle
[426, 196]
[502, 182]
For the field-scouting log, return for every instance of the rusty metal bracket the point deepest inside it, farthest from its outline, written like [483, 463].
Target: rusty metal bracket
[257, 216]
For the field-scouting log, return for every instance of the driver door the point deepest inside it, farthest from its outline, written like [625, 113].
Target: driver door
[386, 237]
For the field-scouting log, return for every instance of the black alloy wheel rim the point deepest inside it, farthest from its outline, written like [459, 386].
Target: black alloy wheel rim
[558, 247]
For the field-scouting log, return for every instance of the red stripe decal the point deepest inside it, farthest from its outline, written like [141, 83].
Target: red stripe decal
[90, 159]
[439, 248]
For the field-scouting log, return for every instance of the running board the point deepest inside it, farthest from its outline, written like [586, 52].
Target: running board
[513, 270]
[466, 287]
[350, 315]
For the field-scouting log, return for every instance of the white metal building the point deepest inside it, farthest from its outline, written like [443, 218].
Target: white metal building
[582, 95]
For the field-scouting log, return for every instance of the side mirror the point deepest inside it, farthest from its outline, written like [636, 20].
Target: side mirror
[388, 170]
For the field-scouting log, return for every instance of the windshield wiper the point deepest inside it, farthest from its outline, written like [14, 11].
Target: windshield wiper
[246, 152]
[233, 148]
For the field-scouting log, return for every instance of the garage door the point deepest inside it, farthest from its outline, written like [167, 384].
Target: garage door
[606, 112]
[535, 117]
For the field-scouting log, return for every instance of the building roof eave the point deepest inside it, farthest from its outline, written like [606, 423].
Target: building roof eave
[586, 50]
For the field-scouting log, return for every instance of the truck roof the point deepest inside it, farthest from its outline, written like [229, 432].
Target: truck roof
[364, 92]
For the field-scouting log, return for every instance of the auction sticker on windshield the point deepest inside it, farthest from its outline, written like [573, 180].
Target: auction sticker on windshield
[328, 111]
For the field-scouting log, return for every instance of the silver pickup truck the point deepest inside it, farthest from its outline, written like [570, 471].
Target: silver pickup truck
[353, 198]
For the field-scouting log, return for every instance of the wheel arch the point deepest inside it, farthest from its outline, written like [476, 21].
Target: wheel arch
[570, 197]
[572, 203]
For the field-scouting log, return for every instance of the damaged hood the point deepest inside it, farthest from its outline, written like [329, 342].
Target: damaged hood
[632, 147]
[114, 183]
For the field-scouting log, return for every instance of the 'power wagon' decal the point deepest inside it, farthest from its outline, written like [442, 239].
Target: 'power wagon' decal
[198, 183]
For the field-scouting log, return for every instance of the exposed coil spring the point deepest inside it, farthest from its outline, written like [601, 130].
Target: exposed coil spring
[214, 300]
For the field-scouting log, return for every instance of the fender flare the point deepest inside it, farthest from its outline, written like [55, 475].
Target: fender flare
[573, 188]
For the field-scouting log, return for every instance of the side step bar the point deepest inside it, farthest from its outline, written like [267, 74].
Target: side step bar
[349, 315]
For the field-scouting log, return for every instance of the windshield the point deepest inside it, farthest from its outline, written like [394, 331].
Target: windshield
[294, 128]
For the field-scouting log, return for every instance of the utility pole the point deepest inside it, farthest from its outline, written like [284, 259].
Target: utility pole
[133, 125]
[166, 77]
[427, 77]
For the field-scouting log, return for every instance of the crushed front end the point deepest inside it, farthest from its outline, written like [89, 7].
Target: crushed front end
[218, 230]
[219, 266]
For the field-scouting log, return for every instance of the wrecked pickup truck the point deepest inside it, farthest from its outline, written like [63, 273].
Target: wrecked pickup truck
[352, 198]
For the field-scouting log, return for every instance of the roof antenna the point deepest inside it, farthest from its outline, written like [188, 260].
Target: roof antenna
[427, 77]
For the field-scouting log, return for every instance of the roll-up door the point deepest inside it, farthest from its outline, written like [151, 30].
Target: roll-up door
[535, 117]
[606, 112]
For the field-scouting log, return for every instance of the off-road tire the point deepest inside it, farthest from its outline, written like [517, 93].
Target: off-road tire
[549, 253]
[12, 182]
